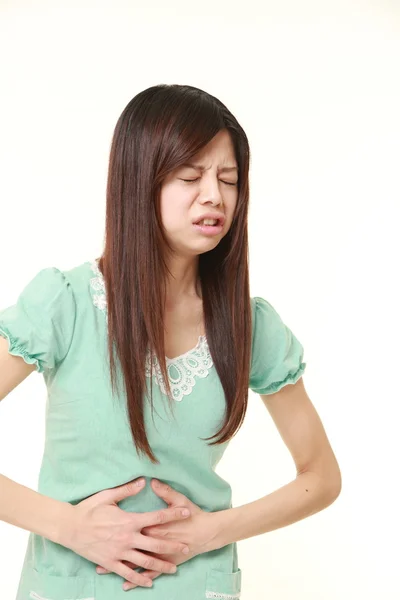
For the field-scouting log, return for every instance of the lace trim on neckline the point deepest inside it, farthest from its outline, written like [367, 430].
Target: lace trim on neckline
[98, 286]
[182, 370]
[200, 341]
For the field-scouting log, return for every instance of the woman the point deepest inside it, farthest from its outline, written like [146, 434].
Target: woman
[148, 353]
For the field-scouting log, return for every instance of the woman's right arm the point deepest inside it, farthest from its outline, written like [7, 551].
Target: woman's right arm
[96, 528]
[46, 516]
[30, 510]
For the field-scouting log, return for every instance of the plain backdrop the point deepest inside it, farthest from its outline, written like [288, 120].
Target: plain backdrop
[316, 86]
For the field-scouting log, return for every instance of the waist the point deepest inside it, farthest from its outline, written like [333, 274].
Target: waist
[210, 575]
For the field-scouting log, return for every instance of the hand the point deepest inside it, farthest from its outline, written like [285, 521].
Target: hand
[107, 535]
[197, 532]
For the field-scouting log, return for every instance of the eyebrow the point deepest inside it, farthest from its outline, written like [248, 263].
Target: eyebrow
[202, 168]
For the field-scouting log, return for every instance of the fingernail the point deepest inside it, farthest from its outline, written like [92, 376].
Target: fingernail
[185, 550]
[140, 482]
[185, 512]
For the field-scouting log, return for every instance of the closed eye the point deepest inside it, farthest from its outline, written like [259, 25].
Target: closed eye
[192, 180]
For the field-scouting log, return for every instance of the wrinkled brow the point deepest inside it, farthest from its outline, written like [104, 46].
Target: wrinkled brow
[202, 168]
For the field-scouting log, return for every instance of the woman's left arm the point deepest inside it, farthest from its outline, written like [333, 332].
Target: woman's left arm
[317, 485]
[318, 481]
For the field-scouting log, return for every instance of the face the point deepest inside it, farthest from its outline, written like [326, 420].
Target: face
[190, 192]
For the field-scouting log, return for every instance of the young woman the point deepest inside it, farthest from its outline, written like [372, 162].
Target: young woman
[148, 353]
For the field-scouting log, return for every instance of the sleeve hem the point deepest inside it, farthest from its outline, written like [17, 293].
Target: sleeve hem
[15, 350]
[292, 378]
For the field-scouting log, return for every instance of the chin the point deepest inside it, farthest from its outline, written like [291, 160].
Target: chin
[206, 246]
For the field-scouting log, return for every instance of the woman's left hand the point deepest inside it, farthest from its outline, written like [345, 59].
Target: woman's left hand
[197, 531]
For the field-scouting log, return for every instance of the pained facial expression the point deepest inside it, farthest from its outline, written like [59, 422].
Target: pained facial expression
[211, 190]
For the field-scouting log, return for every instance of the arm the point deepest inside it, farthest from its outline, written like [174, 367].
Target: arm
[23, 507]
[318, 480]
[20, 505]
[13, 369]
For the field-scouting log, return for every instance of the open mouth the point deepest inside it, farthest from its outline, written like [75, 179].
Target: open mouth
[209, 226]
[209, 222]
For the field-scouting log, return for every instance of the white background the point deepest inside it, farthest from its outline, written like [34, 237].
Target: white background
[316, 86]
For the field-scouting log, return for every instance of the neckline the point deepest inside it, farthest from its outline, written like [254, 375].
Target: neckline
[201, 339]
[100, 301]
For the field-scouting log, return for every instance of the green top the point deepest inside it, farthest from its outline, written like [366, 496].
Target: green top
[59, 323]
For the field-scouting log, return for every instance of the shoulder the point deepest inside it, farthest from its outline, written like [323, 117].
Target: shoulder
[56, 276]
[41, 322]
[264, 315]
[79, 276]
[277, 354]
[53, 293]
[71, 283]
[261, 304]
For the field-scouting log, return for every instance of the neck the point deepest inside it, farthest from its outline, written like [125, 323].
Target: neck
[182, 281]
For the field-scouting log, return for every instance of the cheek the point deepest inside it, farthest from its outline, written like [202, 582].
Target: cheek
[175, 210]
[174, 219]
[230, 209]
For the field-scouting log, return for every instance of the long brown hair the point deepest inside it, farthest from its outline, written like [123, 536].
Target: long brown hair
[161, 128]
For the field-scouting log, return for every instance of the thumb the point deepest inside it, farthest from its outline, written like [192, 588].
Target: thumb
[168, 494]
[124, 491]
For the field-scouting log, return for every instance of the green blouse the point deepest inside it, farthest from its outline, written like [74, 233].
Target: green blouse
[59, 324]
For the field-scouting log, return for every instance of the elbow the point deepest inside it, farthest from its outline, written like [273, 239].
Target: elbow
[332, 485]
[328, 483]
[329, 478]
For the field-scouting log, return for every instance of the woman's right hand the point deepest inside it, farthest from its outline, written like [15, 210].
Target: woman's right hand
[105, 534]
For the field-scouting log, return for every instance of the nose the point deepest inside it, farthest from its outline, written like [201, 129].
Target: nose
[213, 201]
[211, 195]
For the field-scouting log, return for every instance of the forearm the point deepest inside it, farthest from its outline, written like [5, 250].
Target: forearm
[23, 507]
[304, 496]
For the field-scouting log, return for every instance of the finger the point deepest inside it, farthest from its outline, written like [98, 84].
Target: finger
[151, 574]
[157, 531]
[131, 575]
[159, 517]
[102, 571]
[121, 492]
[167, 493]
[159, 546]
[149, 562]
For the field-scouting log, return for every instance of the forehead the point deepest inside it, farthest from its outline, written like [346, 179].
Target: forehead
[222, 155]
[201, 167]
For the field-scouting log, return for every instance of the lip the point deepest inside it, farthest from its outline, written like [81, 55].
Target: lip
[219, 216]
[209, 230]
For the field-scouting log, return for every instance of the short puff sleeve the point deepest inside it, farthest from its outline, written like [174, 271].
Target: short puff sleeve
[277, 355]
[39, 326]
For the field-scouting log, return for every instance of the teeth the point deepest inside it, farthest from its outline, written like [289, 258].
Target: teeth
[208, 222]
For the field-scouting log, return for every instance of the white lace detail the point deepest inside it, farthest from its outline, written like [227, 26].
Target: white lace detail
[182, 370]
[97, 284]
[221, 595]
